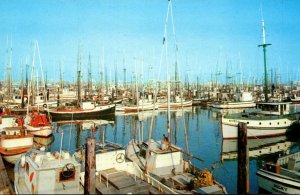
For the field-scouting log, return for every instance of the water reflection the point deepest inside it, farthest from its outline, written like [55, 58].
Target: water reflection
[203, 130]
[257, 147]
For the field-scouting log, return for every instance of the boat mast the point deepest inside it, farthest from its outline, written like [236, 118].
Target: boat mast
[264, 45]
[78, 75]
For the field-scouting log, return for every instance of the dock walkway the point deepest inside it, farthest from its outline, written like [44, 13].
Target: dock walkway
[5, 185]
[120, 182]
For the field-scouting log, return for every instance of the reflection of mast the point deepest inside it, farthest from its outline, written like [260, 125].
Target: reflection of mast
[78, 135]
[123, 131]
[175, 128]
[115, 131]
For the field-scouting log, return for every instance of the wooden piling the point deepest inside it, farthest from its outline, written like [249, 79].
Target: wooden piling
[90, 166]
[243, 160]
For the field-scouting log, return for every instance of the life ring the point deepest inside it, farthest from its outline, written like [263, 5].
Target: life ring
[120, 158]
[68, 170]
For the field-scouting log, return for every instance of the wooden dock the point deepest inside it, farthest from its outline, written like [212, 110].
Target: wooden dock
[5, 185]
[120, 182]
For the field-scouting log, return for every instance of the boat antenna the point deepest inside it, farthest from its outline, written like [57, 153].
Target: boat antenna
[264, 45]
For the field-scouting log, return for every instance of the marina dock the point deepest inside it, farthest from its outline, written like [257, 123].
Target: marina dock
[5, 184]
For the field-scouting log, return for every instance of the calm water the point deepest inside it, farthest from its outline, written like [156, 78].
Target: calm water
[204, 134]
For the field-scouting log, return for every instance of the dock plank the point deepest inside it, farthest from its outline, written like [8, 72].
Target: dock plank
[5, 185]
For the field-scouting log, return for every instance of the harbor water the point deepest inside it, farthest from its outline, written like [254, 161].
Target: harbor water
[204, 136]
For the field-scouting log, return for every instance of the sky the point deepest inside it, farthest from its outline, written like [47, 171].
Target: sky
[216, 39]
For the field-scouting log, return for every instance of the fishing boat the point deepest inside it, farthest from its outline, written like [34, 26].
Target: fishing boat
[116, 173]
[86, 110]
[177, 104]
[40, 172]
[269, 119]
[164, 161]
[245, 101]
[38, 124]
[167, 165]
[282, 176]
[14, 139]
[272, 118]
[142, 106]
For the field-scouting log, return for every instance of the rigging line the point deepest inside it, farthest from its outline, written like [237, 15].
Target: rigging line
[184, 124]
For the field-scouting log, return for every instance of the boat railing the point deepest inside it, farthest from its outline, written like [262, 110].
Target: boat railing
[285, 159]
[259, 117]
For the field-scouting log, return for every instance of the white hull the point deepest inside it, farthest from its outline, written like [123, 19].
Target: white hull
[15, 143]
[276, 183]
[12, 159]
[230, 105]
[175, 105]
[126, 109]
[255, 128]
[44, 131]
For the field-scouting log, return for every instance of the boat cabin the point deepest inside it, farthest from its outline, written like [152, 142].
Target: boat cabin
[47, 173]
[87, 105]
[8, 121]
[274, 108]
[162, 161]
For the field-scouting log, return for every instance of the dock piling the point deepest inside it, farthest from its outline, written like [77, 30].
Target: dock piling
[90, 166]
[243, 160]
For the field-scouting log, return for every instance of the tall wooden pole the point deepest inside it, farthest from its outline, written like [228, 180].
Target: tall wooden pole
[243, 160]
[90, 166]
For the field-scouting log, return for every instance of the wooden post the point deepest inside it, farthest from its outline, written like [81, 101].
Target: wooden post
[243, 160]
[90, 166]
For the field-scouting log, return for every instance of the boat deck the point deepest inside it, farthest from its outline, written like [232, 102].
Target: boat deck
[5, 185]
[112, 181]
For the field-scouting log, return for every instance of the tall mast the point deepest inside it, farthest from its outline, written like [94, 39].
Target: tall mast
[90, 90]
[264, 45]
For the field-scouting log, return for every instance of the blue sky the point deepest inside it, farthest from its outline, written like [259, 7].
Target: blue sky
[209, 33]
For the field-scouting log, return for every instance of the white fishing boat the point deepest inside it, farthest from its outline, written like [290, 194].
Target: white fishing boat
[39, 172]
[177, 104]
[272, 119]
[245, 101]
[117, 174]
[142, 106]
[167, 165]
[281, 177]
[14, 139]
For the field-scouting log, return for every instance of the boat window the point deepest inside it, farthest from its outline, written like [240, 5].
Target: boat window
[247, 122]
[270, 123]
[259, 123]
[278, 123]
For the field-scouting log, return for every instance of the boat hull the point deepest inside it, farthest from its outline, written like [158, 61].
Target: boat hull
[276, 183]
[255, 128]
[43, 131]
[176, 105]
[230, 105]
[100, 112]
[15, 144]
